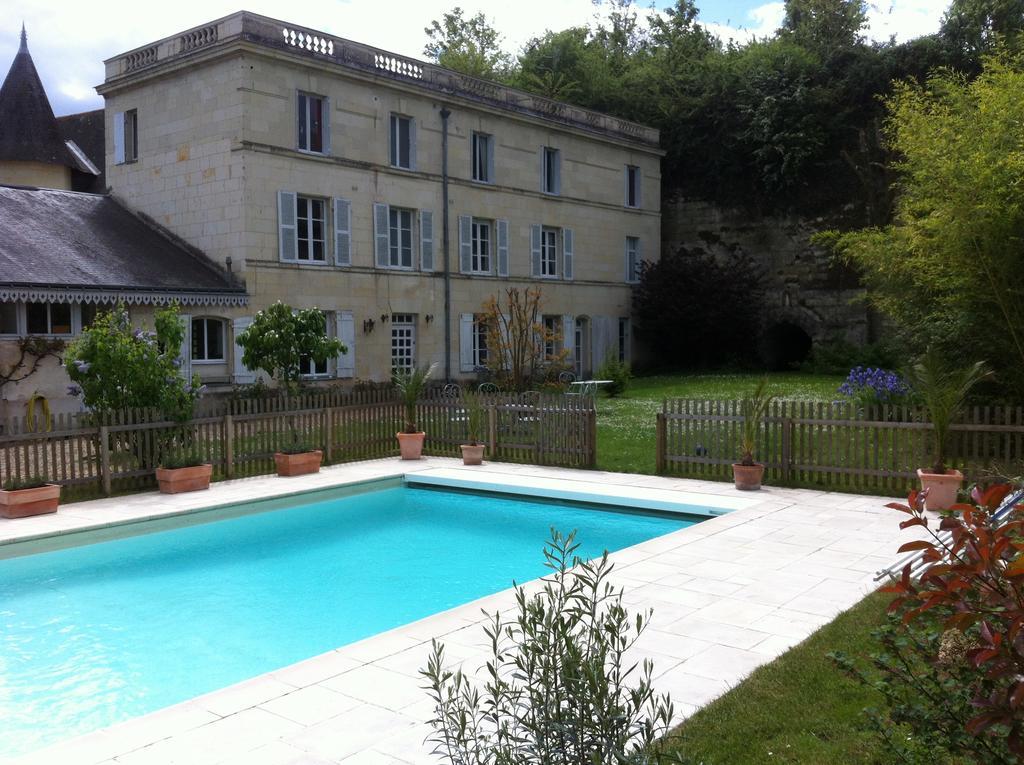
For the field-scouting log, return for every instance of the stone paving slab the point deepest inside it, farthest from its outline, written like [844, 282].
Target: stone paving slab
[728, 595]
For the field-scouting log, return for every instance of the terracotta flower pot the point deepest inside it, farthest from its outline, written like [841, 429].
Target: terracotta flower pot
[472, 454]
[177, 480]
[301, 463]
[747, 477]
[942, 488]
[22, 503]
[411, 445]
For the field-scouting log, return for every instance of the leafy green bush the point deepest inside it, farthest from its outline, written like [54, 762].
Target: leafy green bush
[32, 482]
[560, 689]
[618, 372]
[175, 460]
[837, 356]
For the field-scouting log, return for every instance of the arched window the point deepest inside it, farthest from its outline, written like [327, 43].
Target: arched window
[208, 340]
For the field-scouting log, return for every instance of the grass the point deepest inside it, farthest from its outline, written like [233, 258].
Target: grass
[798, 709]
[626, 425]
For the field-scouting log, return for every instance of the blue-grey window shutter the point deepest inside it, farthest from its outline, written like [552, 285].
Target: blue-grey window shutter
[412, 144]
[342, 232]
[288, 242]
[567, 257]
[326, 128]
[381, 234]
[557, 159]
[535, 250]
[466, 342]
[118, 138]
[346, 332]
[242, 374]
[502, 226]
[465, 244]
[490, 158]
[426, 240]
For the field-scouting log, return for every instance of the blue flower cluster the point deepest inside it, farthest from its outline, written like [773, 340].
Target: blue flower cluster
[873, 385]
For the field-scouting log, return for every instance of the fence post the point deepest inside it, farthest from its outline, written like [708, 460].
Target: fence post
[492, 430]
[787, 448]
[659, 459]
[229, 445]
[105, 459]
[328, 415]
[592, 436]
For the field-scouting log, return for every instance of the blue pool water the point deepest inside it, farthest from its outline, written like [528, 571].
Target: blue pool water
[96, 634]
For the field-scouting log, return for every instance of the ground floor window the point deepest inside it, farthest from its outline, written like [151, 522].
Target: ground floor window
[8, 318]
[623, 339]
[48, 318]
[309, 367]
[480, 328]
[208, 340]
[403, 342]
[551, 333]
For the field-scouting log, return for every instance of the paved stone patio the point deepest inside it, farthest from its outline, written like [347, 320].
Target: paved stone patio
[728, 594]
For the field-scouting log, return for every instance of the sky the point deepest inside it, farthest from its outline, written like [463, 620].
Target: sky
[69, 39]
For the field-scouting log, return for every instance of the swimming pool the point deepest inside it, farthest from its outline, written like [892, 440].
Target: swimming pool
[95, 634]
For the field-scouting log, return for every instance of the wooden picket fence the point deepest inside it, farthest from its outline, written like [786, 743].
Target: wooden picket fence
[836, 446]
[239, 437]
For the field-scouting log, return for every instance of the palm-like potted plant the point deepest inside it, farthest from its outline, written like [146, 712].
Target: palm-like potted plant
[748, 474]
[473, 452]
[410, 385]
[21, 498]
[277, 341]
[943, 390]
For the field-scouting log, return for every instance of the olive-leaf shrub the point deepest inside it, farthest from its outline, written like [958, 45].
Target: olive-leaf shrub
[559, 688]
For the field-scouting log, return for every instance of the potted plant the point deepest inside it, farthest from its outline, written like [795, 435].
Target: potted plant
[21, 498]
[278, 341]
[410, 387]
[473, 452]
[183, 471]
[746, 473]
[943, 390]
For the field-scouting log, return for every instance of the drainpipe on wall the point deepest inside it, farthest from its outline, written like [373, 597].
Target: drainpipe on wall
[445, 114]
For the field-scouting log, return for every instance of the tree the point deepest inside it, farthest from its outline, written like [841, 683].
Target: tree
[948, 269]
[825, 26]
[468, 45]
[521, 350]
[974, 29]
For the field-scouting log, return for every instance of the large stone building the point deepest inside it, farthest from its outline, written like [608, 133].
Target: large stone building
[392, 194]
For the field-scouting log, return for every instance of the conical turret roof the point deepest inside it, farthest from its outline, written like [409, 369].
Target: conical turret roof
[28, 129]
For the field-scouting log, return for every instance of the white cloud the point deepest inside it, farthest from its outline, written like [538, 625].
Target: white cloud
[763, 21]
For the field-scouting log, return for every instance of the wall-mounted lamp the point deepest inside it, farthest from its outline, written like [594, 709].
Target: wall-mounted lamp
[368, 326]
[384, 318]
[428, 318]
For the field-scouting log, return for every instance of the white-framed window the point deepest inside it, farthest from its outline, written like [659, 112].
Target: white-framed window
[483, 157]
[400, 150]
[208, 341]
[48, 319]
[552, 328]
[126, 137]
[632, 186]
[312, 120]
[311, 228]
[549, 252]
[400, 250]
[632, 259]
[623, 339]
[403, 342]
[482, 243]
[551, 171]
[479, 341]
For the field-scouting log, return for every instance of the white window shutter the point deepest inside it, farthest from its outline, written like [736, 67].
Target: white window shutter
[557, 159]
[569, 336]
[426, 240]
[625, 257]
[502, 226]
[381, 234]
[465, 244]
[118, 138]
[625, 186]
[490, 159]
[535, 250]
[242, 374]
[466, 342]
[639, 258]
[342, 232]
[185, 352]
[326, 127]
[412, 144]
[597, 342]
[567, 255]
[287, 236]
[639, 188]
[346, 332]
[543, 168]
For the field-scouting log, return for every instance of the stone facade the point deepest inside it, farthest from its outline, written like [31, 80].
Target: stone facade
[40, 174]
[219, 154]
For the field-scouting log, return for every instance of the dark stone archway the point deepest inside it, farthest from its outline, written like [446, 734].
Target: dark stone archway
[784, 346]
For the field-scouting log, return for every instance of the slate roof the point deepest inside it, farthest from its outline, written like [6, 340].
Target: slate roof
[64, 240]
[28, 129]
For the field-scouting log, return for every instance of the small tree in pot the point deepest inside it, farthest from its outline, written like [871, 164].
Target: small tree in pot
[747, 474]
[473, 452]
[277, 341]
[410, 385]
[944, 390]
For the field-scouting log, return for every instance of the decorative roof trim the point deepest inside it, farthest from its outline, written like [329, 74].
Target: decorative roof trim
[10, 293]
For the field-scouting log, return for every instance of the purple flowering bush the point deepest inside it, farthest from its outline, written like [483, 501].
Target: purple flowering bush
[874, 386]
[114, 366]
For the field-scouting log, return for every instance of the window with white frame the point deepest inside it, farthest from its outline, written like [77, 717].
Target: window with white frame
[623, 339]
[48, 318]
[400, 223]
[401, 142]
[549, 252]
[551, 171]
[403, 342]
[8, 318]
[308, 366]
[483, 157]
[311, 227]
[479, 341]
[552, 331]
[632, 259]
[207, 340]
[632, 186]
[311, 117]
[482, 241]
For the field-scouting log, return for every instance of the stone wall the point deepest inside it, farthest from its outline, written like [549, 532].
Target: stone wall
[804, 290]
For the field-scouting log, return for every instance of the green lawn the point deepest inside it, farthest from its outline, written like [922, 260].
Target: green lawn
[626, 425]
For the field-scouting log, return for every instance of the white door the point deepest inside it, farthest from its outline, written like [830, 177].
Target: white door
[403, 342]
